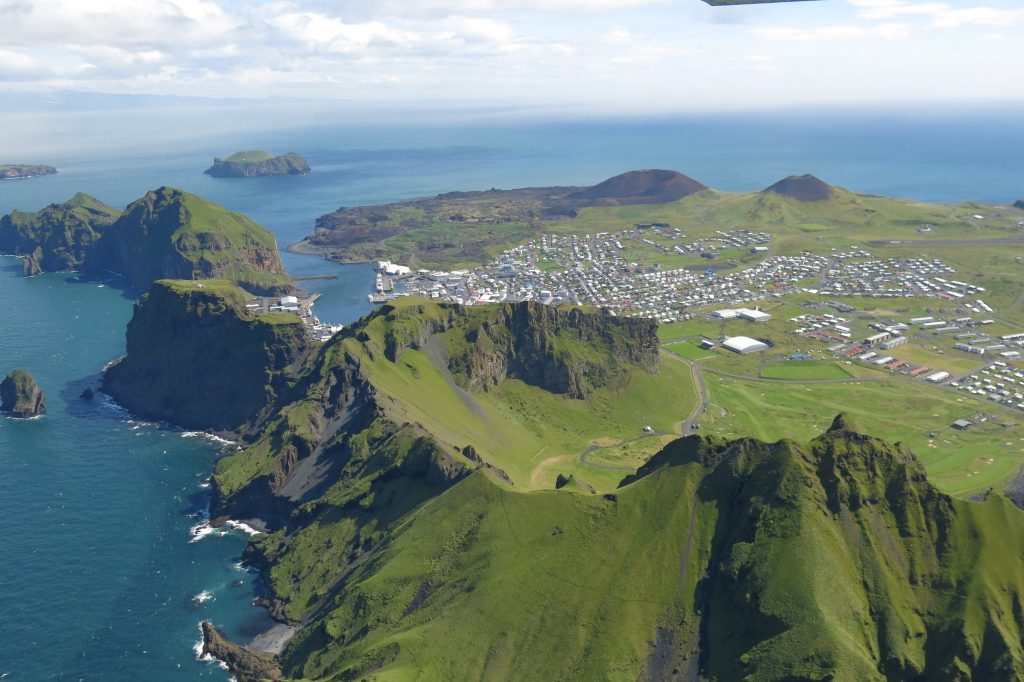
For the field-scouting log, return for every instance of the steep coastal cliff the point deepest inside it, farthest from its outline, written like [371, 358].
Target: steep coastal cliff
[196, 356]
[257, 163]
[60, 236]
[171, 234]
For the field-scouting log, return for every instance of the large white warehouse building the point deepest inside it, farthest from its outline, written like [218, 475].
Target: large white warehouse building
[744, 345]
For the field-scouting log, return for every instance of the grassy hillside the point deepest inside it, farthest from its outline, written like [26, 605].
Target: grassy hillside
[253, 156]
[60, 236]
[421, 524]
[731, 560]
[418, 357]
[171, 234]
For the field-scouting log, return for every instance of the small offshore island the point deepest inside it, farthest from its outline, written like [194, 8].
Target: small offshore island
[20, 395]
[251, 164]
[15, 171]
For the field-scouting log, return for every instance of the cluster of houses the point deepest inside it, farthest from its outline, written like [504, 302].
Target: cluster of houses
[593, 269]
[856, 274]
[999, 382]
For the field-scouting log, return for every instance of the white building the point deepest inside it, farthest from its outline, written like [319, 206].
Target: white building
[753, 315]
[744, 345]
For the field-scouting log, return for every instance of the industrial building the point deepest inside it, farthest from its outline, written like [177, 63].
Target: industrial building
[744, 345]
[753, 315]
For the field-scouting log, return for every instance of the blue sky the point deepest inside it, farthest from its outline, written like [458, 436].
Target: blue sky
[637, 56]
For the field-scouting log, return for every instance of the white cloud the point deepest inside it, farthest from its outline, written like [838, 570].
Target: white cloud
[940, 14]
[656, 52]
[849, 32]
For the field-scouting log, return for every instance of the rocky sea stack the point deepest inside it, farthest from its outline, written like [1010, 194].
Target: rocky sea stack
[802, 188]
[257, 163]
[20, 395]
[13, 171]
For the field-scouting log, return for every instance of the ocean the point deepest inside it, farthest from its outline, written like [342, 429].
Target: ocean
[99, 578]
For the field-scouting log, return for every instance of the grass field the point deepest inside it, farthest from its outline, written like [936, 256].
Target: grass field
[959, 462]
[804, 369]
[690, 350]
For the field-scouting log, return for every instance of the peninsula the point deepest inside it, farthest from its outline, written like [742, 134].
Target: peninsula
[257, 163]
[14, 171]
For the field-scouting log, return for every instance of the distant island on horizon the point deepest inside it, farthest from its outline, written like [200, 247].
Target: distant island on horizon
[17, 171]
[257, 163]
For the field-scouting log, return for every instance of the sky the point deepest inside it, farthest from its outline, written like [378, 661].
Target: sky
[634, 56]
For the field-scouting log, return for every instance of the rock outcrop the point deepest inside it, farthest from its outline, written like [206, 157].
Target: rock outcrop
[13, 171]
[562, 350]
[802, 188]
[59, 237]
[20, 395]
[257, 163]
[1019, 204]
[245, 665]
[197, 357]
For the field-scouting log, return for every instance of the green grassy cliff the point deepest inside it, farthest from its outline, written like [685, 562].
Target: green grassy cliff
[196, 356]
[60, 236]
[743, 560]
[167, 234]
[171, 234]
[400, 546]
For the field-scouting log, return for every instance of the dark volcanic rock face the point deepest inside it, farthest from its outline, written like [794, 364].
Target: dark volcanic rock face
[562, 350]
[20, 395]
[286, 164]
[198, 358]
[245, 665]
[638, 187]
[803, 188]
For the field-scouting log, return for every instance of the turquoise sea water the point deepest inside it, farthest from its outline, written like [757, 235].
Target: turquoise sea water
[98, 577]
